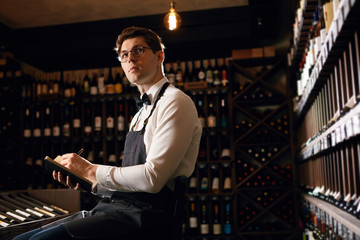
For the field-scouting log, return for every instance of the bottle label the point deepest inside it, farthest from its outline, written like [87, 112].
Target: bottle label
[201, 75]
[217, 229]
[209, 77]
[171, 78]
[211, 121]
[27, 133]
[227, 183]
[118, 88]
[101, 85]
[76, 123]
[47, 132]
[56, 131]
[110, 122]
[93, 90]
[37, 132]
[121, 123]
[204, 228]
[97, 123]
[87, 129]
[193, 222]
[227, 228]
[193, 182]
[204, 183]
[110, 89]
[215, 185]
[66, 129]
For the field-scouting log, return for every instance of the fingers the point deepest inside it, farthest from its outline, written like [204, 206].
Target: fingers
[58, 176]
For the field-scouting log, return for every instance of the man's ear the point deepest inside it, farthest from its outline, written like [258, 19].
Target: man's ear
[160, 56]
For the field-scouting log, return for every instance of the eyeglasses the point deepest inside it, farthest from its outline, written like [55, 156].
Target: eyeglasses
[136, 51]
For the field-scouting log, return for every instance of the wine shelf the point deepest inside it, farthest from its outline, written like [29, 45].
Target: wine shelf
[343, 218]
[340, 29]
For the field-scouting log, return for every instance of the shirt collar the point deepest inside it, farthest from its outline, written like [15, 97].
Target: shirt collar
[154, 90]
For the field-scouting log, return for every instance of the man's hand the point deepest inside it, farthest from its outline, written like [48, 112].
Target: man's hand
[80, 166]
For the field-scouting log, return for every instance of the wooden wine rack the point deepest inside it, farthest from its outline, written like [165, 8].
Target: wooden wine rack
[265, 196]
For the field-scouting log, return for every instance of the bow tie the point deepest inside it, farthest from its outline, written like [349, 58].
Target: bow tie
[141, 101]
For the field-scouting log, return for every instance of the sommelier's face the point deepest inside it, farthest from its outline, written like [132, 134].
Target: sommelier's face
[142, 70]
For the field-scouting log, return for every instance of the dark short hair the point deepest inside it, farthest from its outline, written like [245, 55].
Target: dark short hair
[151, 38]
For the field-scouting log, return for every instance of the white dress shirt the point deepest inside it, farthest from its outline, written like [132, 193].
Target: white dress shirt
[171, 141]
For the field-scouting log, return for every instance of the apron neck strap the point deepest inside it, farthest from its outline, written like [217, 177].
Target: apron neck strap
[162, 90]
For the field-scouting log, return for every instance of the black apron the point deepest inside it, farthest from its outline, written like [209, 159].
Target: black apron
[128, 215]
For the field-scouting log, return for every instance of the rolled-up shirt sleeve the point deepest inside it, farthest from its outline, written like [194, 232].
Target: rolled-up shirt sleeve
[171, 140]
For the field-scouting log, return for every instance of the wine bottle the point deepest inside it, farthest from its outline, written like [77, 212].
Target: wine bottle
[66, 130]
[73, 87]
[93, 86]
[27, 121]
[171, 74]
[209, 75]
[44, 85]
[98, 119]
[226, 170]
[204, 180]
[110, 125]
[211, 118]
[76, 121]
[110, 86]
[118, 82]
[204, 218]
[201, 114]
[224, 74]
[56, 130]
[193, 183]
[224, 116]
[215, 174]
[201, 72]
[86, 84]
[228, 216]
[87, 120]
[47, 122]
[193, 217]
[37, 124]
[120, 120]
[216, 219]
[101, 83]
[217, 74]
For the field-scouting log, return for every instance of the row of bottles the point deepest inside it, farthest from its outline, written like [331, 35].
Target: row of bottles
[334, 177]
[320, 224]
[110, 81]
[209, 216]
[209, 71]
[78, 119]
[213, 178]
[339, 93]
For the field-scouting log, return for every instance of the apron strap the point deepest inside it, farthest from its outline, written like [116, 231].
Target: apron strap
[163, 88]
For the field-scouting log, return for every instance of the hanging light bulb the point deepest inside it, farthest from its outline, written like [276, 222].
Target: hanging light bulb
[172, 19]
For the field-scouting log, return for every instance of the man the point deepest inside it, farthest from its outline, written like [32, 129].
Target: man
[161, 146]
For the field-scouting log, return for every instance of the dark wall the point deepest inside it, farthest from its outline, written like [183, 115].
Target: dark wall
[203, 34]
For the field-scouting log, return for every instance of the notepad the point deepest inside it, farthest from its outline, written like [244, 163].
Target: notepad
[54, 164]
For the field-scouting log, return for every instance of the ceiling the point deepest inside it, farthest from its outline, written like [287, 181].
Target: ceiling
[57, 35]
[39, 13]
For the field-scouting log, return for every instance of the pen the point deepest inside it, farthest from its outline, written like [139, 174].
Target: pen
[80, 151]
